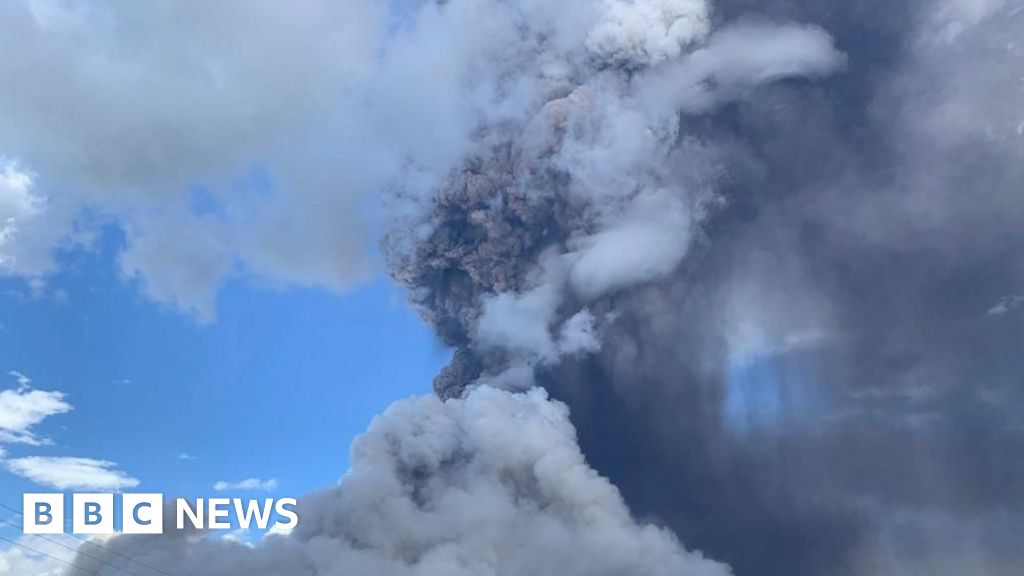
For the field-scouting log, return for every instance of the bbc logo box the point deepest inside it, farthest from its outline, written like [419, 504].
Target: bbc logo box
[144, 513]
[92, 514]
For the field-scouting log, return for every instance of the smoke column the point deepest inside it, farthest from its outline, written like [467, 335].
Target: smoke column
[746, 275]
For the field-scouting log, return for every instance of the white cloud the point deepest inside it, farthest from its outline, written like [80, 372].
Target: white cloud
[23, 408]
[247, 484]
[69, 473]
[19, 207]
[241, 536]
[125, 129]
[278, 530]
[186, 456]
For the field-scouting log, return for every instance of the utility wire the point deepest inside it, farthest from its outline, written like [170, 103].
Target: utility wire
[100, 546]
[50, 556]
[73, 550]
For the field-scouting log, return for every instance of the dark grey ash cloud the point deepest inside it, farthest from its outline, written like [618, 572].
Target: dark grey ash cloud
[828, 381]
[755, 247]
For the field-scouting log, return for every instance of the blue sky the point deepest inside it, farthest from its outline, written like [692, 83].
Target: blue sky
[275, 388]
[223, 195]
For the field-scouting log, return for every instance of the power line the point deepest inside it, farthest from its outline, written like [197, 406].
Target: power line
[91, 543]
[74, 550]
[87, 542]
[50, 556]
[100, 546]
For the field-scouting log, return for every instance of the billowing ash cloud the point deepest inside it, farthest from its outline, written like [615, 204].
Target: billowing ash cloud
[793, 273]
[491, 484]
[596, 192]
[768, 253]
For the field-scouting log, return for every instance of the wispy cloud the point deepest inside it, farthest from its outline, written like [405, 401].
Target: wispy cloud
[186, 456]
[21, 378]
[68, 473]
[247, 484]
[23, 408]
[1006, 305]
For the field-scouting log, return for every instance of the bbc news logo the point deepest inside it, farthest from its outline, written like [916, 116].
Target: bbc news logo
[94, 514]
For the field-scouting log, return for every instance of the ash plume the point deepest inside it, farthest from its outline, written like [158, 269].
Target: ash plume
[781, 278]
[753, 247]
[490, 484]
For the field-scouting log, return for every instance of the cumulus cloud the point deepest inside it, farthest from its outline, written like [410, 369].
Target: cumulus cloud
[268, 485]
[493, 483]
[70, 473]
[100, 118]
